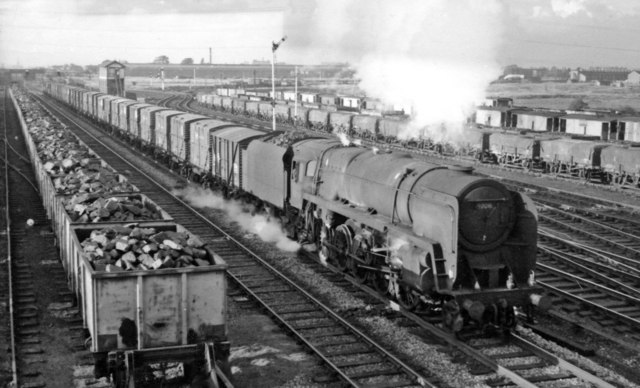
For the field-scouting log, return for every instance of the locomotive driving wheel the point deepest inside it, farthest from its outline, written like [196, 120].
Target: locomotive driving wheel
[342, 239]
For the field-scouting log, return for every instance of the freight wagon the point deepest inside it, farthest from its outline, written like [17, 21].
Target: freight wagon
[144, 316]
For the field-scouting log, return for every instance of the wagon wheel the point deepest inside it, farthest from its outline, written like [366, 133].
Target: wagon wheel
[123, 375]
[342, 242]
[618, 179]
[545, 167]
[582, 173]
[407, 298]
[119, 378]
[623, 179]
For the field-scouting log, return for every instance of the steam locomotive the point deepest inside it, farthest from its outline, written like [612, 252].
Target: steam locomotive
[421, 233]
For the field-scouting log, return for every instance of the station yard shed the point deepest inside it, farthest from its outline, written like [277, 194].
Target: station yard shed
[111, 78]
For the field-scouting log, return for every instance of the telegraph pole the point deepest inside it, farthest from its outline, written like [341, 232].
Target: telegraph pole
[274, 47]
[295, 92]
[162, 78]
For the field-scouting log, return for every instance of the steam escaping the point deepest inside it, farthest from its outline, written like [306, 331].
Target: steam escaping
[396, 243]
[322, 254]
[436, 56]
[344, 139]
[267, 229]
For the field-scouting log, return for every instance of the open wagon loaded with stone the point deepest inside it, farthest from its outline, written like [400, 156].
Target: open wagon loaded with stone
[150, 295]
[100, 210]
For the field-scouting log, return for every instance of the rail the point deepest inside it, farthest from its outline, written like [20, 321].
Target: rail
[14, 365]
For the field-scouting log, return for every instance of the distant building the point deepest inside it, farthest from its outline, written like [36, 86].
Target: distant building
[600, 76]
[111, 78]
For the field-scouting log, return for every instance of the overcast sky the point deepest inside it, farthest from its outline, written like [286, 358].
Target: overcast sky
[527, 32]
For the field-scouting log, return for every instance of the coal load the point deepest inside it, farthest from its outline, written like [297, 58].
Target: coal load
[289, 137]
[120, 248]
[91, 208]
[63, 156]
[59, 150]
[91, 179]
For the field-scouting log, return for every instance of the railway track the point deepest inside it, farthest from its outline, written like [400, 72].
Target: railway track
[314, 324]
[513, 359]
[585, 229]
[533, 364]
[47, 337]
[355, 358]
[7, 329]
[589, 258]
[594, 276]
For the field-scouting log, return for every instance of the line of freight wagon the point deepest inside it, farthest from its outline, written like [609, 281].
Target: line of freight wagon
[146, 286]
[551, 153]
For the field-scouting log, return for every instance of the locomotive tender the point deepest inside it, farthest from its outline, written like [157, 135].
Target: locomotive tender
[421, 233]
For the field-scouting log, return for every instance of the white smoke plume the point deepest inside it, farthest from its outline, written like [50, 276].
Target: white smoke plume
[344, 139]
[268, 230]
[436, 56]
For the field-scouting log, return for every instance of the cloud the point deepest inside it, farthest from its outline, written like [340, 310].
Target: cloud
[566, 8]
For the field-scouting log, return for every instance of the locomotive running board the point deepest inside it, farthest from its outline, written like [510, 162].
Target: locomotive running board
[377, 222]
